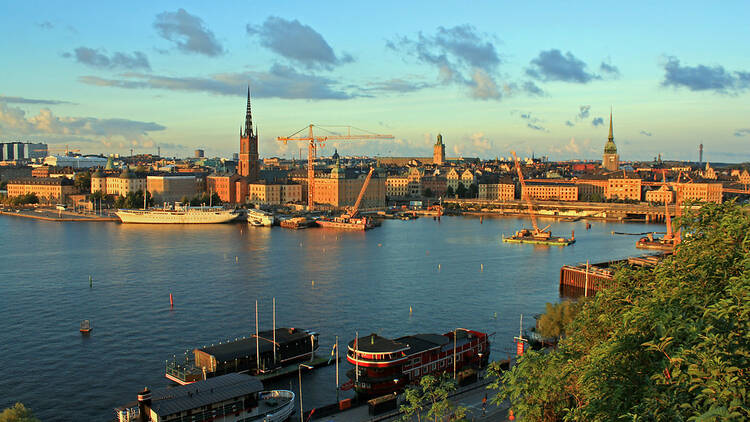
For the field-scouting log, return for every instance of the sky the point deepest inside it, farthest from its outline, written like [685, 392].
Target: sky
[490, 76]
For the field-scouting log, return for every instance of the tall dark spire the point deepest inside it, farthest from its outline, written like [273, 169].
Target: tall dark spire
[611, 136]
[248, 116]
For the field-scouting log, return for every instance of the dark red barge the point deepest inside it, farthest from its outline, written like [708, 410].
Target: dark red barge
[383, 366]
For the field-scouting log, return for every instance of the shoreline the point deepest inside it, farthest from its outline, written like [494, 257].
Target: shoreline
[47, 217]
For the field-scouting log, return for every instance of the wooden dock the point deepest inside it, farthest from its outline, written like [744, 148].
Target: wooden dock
[590, 278]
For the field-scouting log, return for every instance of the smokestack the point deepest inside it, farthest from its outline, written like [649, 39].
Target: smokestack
[700, 156]
[144, 405]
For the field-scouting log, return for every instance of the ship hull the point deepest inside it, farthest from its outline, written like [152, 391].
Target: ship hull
[176, 217]
[553, 241]
[343, 225]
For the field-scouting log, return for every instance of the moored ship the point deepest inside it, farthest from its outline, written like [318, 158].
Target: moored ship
[357, 223]
[255, 355]
[383, 366]
[178, 215]
[256, 217]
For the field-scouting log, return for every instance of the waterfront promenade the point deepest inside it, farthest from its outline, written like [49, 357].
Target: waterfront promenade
[60, 216]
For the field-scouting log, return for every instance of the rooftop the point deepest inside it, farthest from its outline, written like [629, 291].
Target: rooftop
[202, 393]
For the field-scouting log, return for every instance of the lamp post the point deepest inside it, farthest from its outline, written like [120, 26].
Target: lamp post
[299, 373]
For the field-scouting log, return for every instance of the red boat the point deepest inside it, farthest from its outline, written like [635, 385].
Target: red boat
[383, 366]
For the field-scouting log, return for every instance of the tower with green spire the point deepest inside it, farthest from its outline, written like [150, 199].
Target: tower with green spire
[610, 159]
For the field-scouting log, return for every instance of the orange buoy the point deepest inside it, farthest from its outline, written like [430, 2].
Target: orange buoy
[171, 301]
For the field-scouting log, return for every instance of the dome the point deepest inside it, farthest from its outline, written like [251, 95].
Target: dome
[335, 155]
[610, 147]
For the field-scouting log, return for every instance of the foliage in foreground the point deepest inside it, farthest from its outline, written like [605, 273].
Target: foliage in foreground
[17, 413]
[557, 316]
[431, 396]
[670, 344]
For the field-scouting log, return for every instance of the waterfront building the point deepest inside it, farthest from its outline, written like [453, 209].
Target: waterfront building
[624, 188]
[414, 185]
[701, 192]
[45, 188]
[396, 186]
[503, 191]
[171, 188]
[273, 193]
[224, 186]
[468, 178]
[340, 190]
[541, 191]
[610, 159]
[452, 179]
[590, 188]
[437, 185]
[438, 154]
[127, 182]
[663, 195]
[248, 146]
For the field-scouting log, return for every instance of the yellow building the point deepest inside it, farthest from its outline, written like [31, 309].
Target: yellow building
[702, 192]
[660, 196]
[338, 191]
[171, 188]
[273, 194]
[397, 187]
[551, 192]
[624, 189]
[45, 188]
[497, 191]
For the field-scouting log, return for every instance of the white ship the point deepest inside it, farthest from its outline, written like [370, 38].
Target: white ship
[257, 217]
[178, 215]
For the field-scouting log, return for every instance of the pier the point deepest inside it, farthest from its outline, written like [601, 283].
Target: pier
[586, 277]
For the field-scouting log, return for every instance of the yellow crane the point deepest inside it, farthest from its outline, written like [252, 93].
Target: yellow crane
[314, 141]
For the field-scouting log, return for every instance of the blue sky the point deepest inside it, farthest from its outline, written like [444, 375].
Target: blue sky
[490, 76]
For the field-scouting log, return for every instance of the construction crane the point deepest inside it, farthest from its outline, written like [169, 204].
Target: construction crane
[312, 147]
[352, 212]
[543, 233]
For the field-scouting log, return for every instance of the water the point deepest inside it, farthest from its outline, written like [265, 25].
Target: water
[363, 282]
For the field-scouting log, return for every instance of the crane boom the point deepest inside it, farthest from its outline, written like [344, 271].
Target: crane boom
[525, 194]
[355, 209]
[312, 149]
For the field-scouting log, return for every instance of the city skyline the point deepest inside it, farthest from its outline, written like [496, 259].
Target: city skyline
[108, 78]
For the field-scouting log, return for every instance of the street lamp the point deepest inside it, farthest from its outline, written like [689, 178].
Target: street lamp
[299, 373]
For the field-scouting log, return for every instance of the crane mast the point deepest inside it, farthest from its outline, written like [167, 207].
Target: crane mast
[353, 212]
[525, 196]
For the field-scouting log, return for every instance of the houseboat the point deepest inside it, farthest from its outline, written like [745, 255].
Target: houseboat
[230, 398]
[291, 345]
[383, 366]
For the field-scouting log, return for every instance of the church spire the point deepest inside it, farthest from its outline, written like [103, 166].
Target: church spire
[611, 136]
[248, 116]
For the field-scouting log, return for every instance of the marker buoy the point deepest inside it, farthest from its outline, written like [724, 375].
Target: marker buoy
[171, 301]
[313, 283]
[409, 310]
[236, 258]
[380, 244]
[438, 267]
[481, 267]
[91, 282]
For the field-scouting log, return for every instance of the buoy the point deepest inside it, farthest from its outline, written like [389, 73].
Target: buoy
[380, 244]
[171, 301]
[236, 258]
[481, 267]
[313, 283]
[481, 219]
[91, 282]
[495, 316]
[438, 267]
[409, 310]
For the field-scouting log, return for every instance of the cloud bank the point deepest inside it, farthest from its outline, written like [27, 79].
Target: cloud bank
[704, 78]
[187, 32]
[100, 59]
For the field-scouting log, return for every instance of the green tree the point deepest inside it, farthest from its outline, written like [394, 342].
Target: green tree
[449, 192]
[17, 413]
[664, 344]
[557, 316]
[82, 181]
[431, 395]
[461, 190]
[473, 190]
[428, 193]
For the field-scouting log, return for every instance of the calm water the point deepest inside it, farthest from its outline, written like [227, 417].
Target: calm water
[363, 282]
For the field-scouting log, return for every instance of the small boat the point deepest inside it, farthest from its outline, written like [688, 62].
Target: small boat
[257, 218]
[297, 223]
[86, 326]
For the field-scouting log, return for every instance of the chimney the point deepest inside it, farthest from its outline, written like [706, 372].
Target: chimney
[144, 405]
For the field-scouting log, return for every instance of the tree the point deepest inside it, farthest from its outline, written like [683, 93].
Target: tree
[17, 413]
[449, 192]
[428, 193]
[668, 343]
[82, 181]
[461, 190]
[557, 316]
[431, 395]
[473, 190]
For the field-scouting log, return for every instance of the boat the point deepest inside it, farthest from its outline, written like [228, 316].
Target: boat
[536, 235]
[86, 326]
[666, 243]
[231, 397]
[291, 345]
[256, 217]
[178, 214]
[385, 366]
[297, 223]
[357, 223]
[540, 238]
